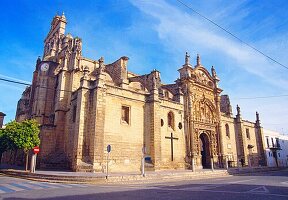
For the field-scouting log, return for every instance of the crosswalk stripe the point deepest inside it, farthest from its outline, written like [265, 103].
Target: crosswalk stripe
[48, 185]
[37, 185]
[12, 187]
[61, 185]
[32, 186]
[5, 189]
[21, 186]
[78, 185]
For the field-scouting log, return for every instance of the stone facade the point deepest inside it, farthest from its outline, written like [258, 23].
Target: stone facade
[83, 105]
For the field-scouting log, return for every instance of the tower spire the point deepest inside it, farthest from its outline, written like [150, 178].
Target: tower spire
[257, 119]
[238, 110]
[187, 58]
[198, 60]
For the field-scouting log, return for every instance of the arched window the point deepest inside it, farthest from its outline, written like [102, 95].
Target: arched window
[171, 120]
[227, 130]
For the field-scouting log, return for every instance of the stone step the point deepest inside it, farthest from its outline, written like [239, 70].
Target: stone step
[101, 178]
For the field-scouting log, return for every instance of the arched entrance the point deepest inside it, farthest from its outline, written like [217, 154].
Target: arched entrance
[205, 150]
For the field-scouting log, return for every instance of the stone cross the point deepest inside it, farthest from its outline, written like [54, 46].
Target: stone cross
[171, 138]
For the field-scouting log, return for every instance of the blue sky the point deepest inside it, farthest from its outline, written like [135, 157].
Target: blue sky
[156, 35]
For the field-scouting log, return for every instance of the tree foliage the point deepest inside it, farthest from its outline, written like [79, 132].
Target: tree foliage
[5, 142]
[20, 135]
[23, 135]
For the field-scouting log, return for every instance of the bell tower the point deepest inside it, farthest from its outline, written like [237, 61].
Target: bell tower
[52, 43]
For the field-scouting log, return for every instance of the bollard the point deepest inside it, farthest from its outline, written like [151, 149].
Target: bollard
[193, 164]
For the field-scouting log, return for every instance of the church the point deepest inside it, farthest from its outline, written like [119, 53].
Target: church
[84, 105]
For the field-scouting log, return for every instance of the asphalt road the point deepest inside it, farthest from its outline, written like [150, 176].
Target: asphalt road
[268, 185]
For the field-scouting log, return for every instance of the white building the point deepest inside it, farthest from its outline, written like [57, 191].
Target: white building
[276, 148]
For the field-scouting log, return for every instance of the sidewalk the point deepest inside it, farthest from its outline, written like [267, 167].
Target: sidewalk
[100, 178]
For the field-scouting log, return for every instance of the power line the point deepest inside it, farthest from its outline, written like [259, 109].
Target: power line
[17, 82]
[22, 83]
[264, 97]
[232, 34]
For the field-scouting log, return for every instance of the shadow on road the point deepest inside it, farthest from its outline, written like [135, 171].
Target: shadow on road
[187, 191]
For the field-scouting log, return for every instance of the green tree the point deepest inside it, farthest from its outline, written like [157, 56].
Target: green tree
[5, 143]
[24, 135]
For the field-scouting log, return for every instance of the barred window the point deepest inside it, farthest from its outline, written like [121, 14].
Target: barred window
[171, 120]
[227, 130]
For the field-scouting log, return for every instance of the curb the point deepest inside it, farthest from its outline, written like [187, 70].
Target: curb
[244, 171]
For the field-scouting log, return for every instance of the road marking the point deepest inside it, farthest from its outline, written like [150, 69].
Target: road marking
[261, 189]
[61, 185]
[285, 182]
[12, 187]
[5, 189]
[49, 185]
[242, 181]
[32, 185]
[219, 179]
[37, 185]
[21, 186]
[79, 185]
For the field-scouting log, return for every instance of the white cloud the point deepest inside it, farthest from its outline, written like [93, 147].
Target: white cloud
[180, 31]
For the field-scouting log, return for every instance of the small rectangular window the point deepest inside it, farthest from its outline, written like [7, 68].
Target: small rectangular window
[247, 133]
[125, 118]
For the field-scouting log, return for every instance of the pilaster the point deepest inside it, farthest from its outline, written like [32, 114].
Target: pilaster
[80, 123]
[155, 130]
[61, 101]
[240, 140]
[97, 148]
[260, 141]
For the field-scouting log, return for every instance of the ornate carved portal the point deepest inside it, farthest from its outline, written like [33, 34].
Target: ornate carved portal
[204, 132]
[202, 114]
